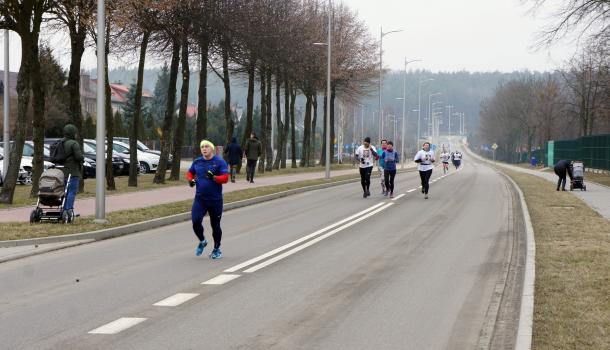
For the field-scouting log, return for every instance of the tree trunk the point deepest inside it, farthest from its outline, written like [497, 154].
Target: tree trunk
[279, 142]
[249, 106]
[268, 124]
[306, 132]
[23, 100]
[226, 81]
[286, 125]
[169, 114]
[202, 103]
[184, 96]
[38, 119]
[135, 124]
[78, 35]
[263, 133]
[312, 152]
[324, 131]
[293, 141]
[332, 124]
[110, 185]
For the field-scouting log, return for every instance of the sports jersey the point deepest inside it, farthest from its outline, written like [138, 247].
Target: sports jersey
[366, 156]
[426, 160]
[208, 189]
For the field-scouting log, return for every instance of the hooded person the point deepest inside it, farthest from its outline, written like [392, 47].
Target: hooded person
[233, 154]
[561, 169]
[253, 150]
[208, 173]
[72, 165]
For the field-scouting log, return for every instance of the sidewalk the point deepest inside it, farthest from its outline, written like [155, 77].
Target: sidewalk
[143, 199]
[596, 196]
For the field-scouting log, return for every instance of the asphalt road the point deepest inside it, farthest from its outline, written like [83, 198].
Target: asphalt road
[372, 273]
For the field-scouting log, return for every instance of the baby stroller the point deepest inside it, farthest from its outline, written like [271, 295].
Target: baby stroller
[51, 198]
[578, 173]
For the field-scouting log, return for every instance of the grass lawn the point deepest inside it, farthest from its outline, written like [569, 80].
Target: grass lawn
[572, 298]
[10, 231]
[145, 182]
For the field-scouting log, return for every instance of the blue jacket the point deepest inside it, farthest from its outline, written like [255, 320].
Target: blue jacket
[208, 189]
[390, 158]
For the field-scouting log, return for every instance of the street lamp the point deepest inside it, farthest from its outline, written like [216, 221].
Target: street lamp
[449, 127]
[328, 45]
[404, 99]
[430, 106]
[419, 111]
[100, 168]
[7, 92]
[382, 34]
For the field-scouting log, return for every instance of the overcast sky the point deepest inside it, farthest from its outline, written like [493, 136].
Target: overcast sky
[447, 35]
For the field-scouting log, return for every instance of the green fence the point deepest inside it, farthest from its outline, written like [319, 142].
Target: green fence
[593, 150]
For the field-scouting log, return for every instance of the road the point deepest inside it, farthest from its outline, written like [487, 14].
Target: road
[372, 273]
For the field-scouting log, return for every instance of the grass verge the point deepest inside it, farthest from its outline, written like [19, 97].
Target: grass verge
[145, 182]
[572, 302]
[17, 230]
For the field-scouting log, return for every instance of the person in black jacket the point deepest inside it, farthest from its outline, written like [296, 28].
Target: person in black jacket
[561, 168]
[233, 154]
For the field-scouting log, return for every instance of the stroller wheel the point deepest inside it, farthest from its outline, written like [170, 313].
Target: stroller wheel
[33, 216]
[71, 215]
[65, 217]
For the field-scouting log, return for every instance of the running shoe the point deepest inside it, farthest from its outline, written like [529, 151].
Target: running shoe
[426, 196]
[392, 194]
[200, 247]
[216, 254]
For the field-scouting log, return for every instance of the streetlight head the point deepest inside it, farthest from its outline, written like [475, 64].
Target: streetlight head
[399, 98]
[320, 44]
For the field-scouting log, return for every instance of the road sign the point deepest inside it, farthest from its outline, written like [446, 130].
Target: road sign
[494, 146]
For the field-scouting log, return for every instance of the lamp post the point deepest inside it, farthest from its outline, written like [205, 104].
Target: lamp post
[100, 168]
[382, 34]
[430, 107]
[419, 111]
[449, 127]
[7, 92]
[328, 45]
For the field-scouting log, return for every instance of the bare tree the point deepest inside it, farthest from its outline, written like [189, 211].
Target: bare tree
[25, 17]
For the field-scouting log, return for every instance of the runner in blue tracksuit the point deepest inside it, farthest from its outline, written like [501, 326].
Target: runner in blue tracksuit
[208, 173]
[390, 159]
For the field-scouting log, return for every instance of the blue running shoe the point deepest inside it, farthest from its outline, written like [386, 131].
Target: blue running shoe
[216, 254]
[200, 247]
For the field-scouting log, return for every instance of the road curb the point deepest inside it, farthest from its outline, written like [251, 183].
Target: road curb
[164, 221]
[526, 313]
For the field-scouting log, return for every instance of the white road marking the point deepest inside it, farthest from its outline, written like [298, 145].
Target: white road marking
[302, 239]
[411, 190]
[399, 196]
[176, 299]
[221, 279]
[314, 241]
[117, 326]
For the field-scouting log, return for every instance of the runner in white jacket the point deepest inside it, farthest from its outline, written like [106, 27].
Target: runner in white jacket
[366, 154]
[424, 159]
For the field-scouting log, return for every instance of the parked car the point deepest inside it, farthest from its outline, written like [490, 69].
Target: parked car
[25, 168]
[148, 161]
[119, 165]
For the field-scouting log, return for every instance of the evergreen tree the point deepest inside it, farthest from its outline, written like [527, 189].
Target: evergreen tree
[160, 95]
[89, 128]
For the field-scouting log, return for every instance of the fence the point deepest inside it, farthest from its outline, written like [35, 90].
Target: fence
[593, 150]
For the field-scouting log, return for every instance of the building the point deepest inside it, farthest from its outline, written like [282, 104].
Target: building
[118, 97]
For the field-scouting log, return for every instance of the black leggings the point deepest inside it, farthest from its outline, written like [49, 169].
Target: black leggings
[250, 169]
[425, 179]
[365, 178]
[561, 183]
[389, 179]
